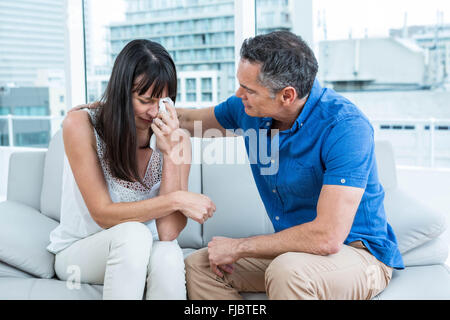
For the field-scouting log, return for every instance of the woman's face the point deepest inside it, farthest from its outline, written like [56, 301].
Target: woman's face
[146, 107]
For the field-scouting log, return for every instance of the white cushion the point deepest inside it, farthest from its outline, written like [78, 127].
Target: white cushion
[25, 177]
[418, 283]
[24, 236]
[191, 236]
[432, 252]
[52, 181]
[6, 271]
[46, 289]
[414, 223]
[240, 212]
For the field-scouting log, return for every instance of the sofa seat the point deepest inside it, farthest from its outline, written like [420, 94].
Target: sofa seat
[18, 285]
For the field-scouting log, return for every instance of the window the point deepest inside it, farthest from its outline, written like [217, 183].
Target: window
[197, 34]
[191, 90]
[32, 71]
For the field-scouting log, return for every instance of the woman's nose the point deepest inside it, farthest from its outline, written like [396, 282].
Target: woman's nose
[153, 110]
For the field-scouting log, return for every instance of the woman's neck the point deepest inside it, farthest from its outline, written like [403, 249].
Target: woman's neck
[143, 138]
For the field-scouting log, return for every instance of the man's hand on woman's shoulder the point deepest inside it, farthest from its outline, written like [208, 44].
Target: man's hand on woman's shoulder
[91, 105]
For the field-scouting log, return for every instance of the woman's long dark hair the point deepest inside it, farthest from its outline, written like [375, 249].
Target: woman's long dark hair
[140, 64]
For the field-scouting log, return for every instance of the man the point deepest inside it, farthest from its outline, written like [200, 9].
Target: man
[331, 240]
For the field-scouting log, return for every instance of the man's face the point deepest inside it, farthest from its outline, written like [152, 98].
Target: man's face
[257, 99]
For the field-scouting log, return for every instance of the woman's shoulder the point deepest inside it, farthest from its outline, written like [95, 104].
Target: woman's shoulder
[76, 116]
[77, 127]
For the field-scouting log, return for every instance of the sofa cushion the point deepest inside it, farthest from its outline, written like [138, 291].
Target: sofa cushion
[6, 271]
[25, 177]
[431, 252]
[46, 289]
[229, 183]
[418, 283]
[24, 236]
[52, 181]
[191, 236]
[387, 170]
[414, 223]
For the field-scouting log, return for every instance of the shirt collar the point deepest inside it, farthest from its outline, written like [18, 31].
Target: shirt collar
[314, 97]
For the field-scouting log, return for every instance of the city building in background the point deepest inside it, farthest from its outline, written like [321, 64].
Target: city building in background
[373, 64]
[199, 35]
[399, 83]
[32, 40]
[435, 40]
[31, 70]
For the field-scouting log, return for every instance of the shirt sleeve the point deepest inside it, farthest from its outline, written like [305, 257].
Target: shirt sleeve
[349, 153]
[229, 113]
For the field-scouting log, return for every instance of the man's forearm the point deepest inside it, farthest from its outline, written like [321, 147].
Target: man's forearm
[308, 238]
[185, 120]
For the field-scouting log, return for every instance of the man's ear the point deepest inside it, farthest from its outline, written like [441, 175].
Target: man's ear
[288, 95]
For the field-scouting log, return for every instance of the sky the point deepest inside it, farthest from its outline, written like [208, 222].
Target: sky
[375, 16]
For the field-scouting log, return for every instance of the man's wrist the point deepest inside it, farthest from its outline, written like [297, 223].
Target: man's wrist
[241, 248]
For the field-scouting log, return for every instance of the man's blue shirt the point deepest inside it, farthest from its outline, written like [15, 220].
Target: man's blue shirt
[330, 143]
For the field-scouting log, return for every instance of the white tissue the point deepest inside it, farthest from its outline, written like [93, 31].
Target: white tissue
[162, 106]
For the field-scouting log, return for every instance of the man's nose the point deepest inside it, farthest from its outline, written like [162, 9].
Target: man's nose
[240, 93]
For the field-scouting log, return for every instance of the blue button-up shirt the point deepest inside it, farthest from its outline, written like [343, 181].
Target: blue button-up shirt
[330, 143]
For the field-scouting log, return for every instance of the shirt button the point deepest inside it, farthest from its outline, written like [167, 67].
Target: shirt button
[277, 218]
[274, 191]
[268, 124]
[301, 124]
[342, 181]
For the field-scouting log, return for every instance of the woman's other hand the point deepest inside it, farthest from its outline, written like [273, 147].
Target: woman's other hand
[195, 206]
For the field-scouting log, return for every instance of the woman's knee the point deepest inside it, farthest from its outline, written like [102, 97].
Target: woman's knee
[132, 239]
[166, 254]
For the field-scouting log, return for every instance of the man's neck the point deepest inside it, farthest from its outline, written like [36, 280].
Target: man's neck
[285, 122]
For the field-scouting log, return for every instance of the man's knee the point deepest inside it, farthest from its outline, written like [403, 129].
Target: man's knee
[196, 260]
[285, 280]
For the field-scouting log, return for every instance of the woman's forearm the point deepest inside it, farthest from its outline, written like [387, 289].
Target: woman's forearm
[172, 180]
[141, 211]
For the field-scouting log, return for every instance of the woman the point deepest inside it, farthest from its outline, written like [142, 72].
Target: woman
[125, 198]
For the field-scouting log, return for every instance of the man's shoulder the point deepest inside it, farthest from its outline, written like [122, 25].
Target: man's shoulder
[335, 107]
[233, 101]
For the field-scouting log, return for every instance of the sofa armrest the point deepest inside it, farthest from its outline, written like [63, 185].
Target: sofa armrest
[25, 177]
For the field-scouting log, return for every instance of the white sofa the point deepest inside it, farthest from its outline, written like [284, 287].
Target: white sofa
[31, 211]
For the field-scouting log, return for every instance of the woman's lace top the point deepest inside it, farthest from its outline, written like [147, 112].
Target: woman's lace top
[126, 191]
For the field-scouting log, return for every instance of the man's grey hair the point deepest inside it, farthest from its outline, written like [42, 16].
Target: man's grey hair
[286, 61]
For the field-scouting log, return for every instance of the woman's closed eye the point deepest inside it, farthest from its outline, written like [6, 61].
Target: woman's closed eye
[147, 101]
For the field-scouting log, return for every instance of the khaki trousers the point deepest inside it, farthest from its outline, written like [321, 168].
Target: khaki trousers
[353, 273]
